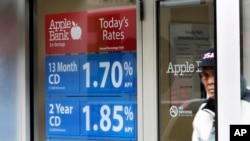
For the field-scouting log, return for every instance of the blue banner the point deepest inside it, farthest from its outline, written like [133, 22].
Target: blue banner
[62, 74]
[91, 118]
[62, 117]
[108, 74]
[91, 74]
[108, 117]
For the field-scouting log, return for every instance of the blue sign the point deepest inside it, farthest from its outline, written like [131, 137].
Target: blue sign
[62, 117]
[108, 117]
[91, 118]
[62, 74]
[91, 97]
[91, 74]
[108, 74]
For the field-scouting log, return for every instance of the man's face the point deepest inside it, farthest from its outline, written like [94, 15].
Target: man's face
[207, 78]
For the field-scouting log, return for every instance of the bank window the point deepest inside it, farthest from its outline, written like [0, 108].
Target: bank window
[85, 70]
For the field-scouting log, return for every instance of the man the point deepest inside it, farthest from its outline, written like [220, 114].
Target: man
[204, 120]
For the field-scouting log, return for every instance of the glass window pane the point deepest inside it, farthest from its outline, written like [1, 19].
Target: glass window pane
[85, 70]
[185, 33]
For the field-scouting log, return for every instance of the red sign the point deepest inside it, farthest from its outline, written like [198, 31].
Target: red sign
[66, 33]
[112, 29]
[104, 30]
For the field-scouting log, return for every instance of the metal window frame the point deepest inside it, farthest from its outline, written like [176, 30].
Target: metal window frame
[228, 66]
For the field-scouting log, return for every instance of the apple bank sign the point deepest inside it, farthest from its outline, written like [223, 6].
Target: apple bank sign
[64, 32]
[59, 31]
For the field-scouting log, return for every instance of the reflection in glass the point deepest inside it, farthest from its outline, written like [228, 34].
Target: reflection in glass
[245, 58]
[185, 32]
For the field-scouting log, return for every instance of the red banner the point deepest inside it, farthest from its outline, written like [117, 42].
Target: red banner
[104, 30]
[66, 33]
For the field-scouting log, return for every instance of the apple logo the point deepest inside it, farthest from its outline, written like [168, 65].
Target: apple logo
[76, 31]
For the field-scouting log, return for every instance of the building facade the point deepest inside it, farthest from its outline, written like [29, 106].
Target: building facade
[119, 69]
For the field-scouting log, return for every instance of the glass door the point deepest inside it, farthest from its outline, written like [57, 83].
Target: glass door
[186, 69]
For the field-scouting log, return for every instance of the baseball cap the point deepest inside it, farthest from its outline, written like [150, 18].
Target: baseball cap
[207, 59]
